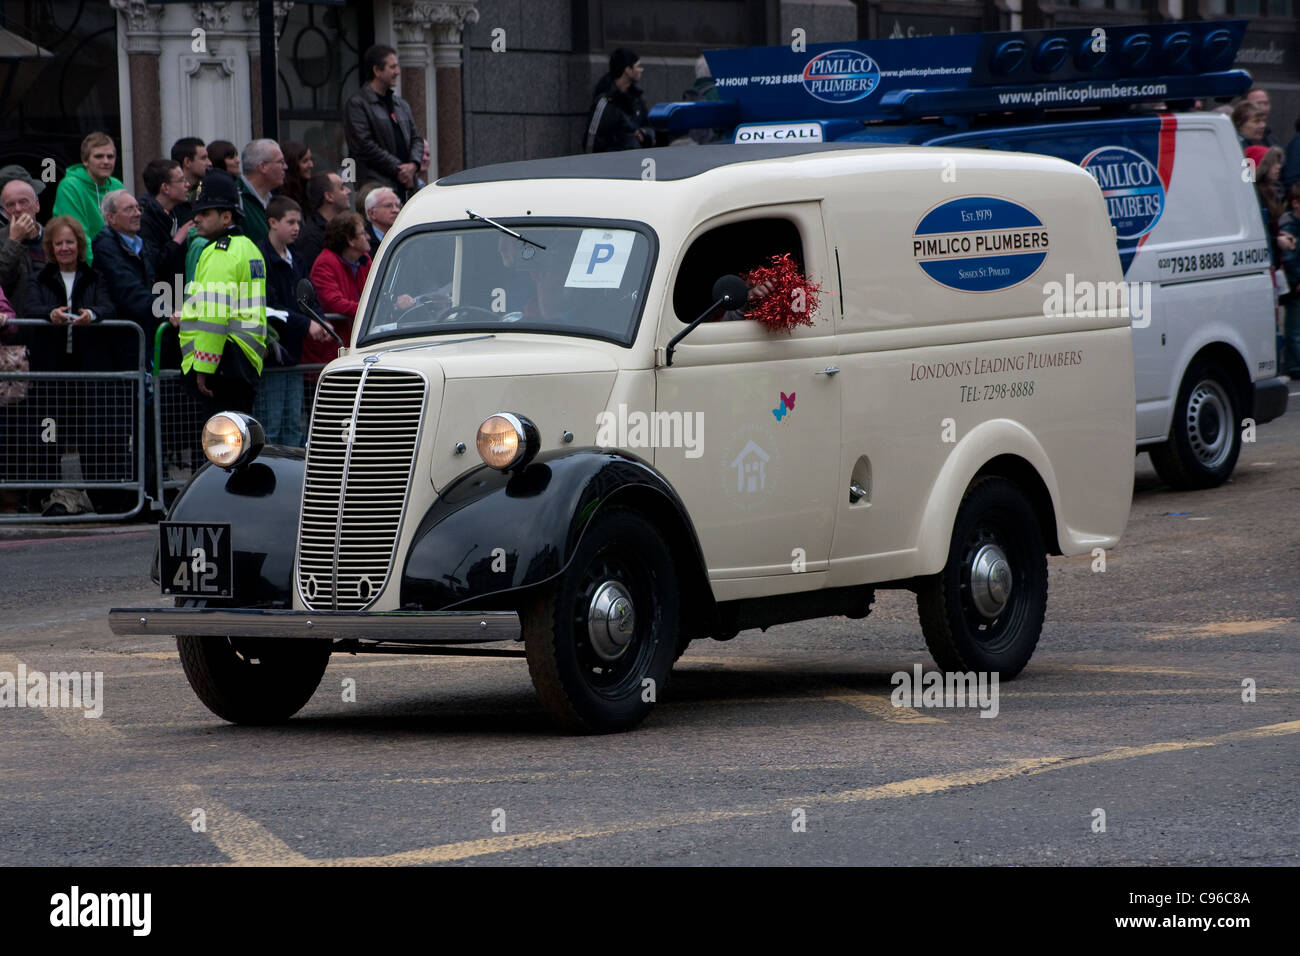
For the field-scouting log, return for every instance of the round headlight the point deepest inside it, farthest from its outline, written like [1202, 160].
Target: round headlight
[507, 441]
[232, 438]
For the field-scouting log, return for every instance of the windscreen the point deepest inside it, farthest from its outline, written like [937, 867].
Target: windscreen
[567, 279]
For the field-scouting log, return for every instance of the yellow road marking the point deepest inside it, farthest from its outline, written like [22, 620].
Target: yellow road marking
[916, 786]
[243, 840]
[879, 705]
[1232, 690]
[1222, 629]
[1125, 669]
[424, 662]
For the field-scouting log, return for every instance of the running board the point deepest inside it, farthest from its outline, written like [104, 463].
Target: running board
[417, 627]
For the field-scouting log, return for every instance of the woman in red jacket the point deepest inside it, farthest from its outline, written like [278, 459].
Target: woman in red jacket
[339, 274]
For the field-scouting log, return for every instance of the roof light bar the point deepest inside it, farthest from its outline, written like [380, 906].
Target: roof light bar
[874, 80]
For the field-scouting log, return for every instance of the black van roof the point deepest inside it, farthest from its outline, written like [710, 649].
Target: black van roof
[675, 162]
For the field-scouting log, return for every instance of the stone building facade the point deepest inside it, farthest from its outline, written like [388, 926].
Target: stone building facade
[488, 80]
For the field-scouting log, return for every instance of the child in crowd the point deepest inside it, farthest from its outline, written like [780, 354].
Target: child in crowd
[279, 398]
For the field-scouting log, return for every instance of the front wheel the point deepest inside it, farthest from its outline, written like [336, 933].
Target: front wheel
[601, 642]
[984, 611]
[1205, 438]
[253, 680]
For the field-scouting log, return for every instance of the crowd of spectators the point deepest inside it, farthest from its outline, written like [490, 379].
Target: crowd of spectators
[1276, 174]
[107, 253]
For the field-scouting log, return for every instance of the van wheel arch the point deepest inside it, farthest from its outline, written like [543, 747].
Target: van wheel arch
[699, 611]
[1176, 460]
[1229, 359]
[1025, 476]
[983, 611]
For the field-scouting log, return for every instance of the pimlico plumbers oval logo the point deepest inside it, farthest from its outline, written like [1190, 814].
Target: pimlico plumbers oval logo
[841, 76]
[979, 244]
[1131, 186]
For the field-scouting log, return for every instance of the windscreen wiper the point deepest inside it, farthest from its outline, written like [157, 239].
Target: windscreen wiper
[500, 228]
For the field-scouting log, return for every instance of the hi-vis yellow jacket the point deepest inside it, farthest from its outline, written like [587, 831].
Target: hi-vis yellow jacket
[227, 299]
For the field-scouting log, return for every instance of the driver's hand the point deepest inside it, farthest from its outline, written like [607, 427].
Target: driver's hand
[404, 301]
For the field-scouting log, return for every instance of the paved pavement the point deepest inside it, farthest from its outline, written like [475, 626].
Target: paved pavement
[780, 747]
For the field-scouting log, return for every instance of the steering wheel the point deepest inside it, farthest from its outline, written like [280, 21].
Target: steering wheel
[450, 314]
[421, 305]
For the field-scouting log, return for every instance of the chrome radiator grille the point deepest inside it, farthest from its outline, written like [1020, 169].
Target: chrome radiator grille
[354, 491]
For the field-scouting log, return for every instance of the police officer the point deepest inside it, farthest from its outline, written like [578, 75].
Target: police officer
[223, 323]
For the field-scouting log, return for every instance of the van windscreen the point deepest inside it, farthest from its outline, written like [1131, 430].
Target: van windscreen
[588, 280]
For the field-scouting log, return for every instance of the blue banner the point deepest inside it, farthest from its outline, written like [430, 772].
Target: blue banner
[977, 72]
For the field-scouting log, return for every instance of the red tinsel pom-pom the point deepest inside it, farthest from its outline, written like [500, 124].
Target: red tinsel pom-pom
[791, 302]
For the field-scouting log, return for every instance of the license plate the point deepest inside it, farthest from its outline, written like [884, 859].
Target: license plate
[195, 560]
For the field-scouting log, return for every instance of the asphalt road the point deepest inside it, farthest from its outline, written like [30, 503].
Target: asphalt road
[780, 747]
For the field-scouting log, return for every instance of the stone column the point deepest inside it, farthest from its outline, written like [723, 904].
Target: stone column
[435, 94]
[411, 28]
[139, 22]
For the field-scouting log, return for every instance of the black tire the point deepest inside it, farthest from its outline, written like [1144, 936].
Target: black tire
[253, 680]
[1205, 437]
[993, 514]
[583, 679]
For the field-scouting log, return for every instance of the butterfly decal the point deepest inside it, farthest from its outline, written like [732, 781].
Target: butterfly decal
[787, 405]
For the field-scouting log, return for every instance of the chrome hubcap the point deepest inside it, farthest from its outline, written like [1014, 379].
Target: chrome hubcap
[611, 621]
[990, 580]
[1209, 423]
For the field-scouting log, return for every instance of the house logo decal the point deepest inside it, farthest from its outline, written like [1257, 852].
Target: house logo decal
[750, 467]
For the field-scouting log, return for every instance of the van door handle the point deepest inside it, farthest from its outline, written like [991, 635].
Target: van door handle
[828, 370]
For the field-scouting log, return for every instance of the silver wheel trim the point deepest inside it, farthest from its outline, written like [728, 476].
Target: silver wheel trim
[990, 580]
[1209, 395]
[611, 621]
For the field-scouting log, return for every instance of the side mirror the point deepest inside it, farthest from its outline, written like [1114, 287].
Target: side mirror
[727, 291]
[306, 294]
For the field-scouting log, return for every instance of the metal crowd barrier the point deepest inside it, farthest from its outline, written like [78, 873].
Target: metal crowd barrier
[72, 437]
[283, 407]
[115, 441]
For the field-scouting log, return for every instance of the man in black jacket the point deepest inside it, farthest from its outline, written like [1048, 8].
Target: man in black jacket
[164, 234]
[192, 156]
[127, 272]
[381, 132]
[328, 196]
[618, 112]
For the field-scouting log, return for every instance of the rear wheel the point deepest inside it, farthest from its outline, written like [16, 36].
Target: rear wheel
[1205, 438]
[601, 642]
[253, 680]
[984, 610]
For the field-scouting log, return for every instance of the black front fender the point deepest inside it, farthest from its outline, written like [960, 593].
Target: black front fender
[261, 501]
[489, 535]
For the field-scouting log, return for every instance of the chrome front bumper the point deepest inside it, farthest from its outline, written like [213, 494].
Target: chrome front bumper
[420, 627]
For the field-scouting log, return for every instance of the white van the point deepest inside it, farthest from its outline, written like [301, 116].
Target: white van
[541, 434]
[1196, 258]
[1112, 99]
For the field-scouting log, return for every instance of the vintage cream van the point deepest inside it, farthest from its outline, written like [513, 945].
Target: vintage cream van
[533, 439]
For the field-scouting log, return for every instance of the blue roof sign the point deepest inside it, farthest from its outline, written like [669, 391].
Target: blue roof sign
[912, 78]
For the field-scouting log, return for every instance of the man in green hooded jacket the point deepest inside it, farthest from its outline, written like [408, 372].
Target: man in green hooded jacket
[85, 184]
